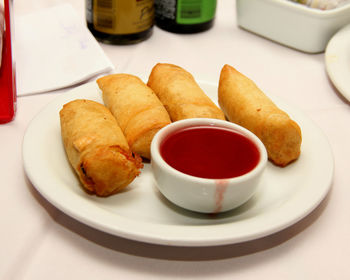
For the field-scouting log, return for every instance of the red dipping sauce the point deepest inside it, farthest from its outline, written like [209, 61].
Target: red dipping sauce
[209, 152]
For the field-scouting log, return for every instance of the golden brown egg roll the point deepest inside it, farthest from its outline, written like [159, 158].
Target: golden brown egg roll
[181, 95]
[245, 104]
[137, 109]
[97, 148]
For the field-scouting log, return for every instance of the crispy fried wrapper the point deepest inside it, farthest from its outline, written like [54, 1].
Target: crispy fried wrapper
[245, 104]
[97, 148]
[181, 95]
[138, 111]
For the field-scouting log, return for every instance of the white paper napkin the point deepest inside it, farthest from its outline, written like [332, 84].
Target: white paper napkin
[53, 50]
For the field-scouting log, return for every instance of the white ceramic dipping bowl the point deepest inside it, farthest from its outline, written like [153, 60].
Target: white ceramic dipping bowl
[201, 194]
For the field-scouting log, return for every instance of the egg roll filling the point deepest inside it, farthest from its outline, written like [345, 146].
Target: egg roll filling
[87, 180]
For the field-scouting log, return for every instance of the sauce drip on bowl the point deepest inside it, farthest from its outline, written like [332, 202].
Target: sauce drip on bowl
[209, 152]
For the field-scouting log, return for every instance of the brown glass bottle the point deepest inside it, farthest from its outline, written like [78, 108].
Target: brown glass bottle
[185, 16]
[120, 22]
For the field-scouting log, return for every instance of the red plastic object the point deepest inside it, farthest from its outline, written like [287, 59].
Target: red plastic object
[8, 93]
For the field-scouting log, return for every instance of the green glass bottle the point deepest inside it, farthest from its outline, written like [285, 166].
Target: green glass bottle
[185, 16]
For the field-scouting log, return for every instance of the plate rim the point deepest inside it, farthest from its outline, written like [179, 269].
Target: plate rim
[336, 44]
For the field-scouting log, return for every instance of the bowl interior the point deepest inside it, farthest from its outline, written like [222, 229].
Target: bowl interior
[179, 125]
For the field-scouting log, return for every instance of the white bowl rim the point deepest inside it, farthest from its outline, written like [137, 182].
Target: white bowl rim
[309, 10]
[161, 134]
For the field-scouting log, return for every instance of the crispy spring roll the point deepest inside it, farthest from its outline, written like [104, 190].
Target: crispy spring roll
[137, 109]
[180, 94]
[97, 148]
[245, 104]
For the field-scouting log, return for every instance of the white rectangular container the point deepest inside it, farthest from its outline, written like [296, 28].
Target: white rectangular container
[292, 24]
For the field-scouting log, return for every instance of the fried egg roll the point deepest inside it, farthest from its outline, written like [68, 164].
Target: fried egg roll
[137, 109]
[96, 147]
[181, 95]
[245, 104]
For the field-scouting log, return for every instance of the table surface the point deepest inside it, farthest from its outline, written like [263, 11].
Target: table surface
[40, 242]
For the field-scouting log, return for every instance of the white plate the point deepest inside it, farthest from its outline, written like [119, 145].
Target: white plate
[337, 56]
[142, 213]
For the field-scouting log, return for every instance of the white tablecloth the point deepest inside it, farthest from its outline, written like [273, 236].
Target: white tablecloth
[38, 241]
